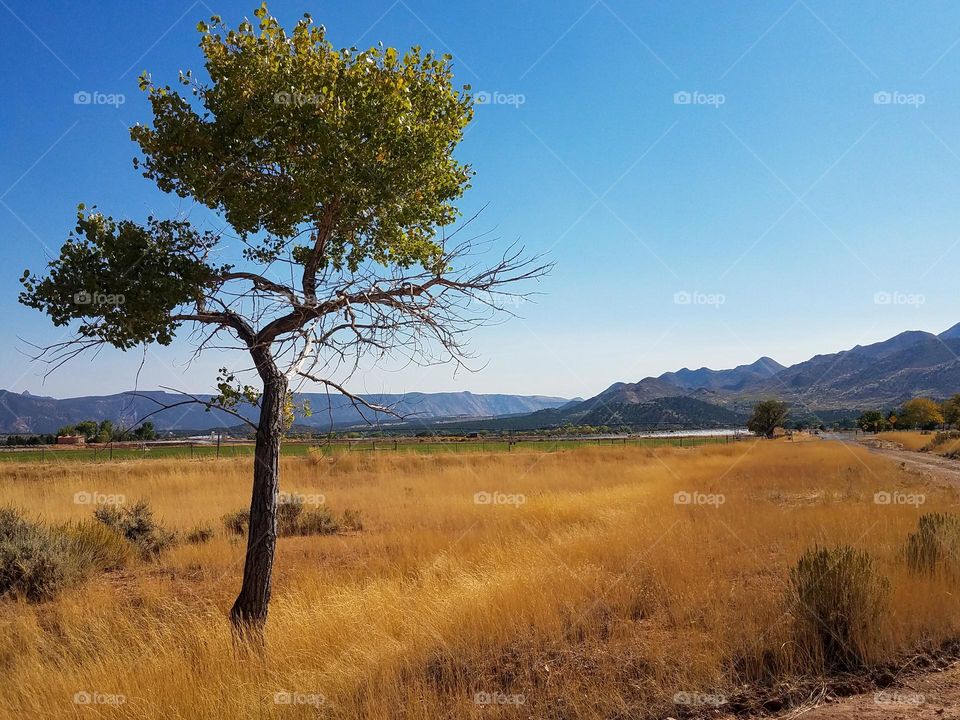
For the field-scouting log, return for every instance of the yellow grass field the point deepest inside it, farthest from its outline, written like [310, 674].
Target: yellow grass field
[910, 439]
[577, 585]
[947, 444]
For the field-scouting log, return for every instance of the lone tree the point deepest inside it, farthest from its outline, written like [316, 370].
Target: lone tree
[335, 170]
[767, 416]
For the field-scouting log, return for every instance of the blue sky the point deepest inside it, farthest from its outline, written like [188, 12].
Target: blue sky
[715, 181]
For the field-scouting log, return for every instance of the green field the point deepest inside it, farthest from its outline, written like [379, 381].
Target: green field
[293, 448]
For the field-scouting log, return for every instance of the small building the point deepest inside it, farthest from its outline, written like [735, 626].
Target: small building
[71, 440]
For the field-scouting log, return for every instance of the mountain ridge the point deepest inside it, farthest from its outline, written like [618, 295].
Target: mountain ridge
[27, 413]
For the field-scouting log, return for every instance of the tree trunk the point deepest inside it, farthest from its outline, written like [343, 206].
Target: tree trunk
[249, 613]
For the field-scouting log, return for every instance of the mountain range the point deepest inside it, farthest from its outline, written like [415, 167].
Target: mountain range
[841, 384]
[881, 375]
[25, 413]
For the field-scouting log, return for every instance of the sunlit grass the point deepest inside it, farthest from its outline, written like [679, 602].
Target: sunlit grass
[910, 439]
[582, 587]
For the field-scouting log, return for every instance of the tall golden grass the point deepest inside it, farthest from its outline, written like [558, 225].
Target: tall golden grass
[583, 590]
[910, 439]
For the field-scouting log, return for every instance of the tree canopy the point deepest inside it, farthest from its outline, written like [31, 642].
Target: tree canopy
[335, 173]
[767, 416]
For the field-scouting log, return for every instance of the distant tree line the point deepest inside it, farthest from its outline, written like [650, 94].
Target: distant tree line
[105, 431]
[916, 414]
[31, 440]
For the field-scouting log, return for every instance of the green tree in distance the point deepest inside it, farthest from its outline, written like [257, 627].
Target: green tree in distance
[872, 421]
[767, 416]
[951, 411]
[335, 170]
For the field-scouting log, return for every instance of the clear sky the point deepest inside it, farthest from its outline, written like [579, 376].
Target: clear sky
[715, 181]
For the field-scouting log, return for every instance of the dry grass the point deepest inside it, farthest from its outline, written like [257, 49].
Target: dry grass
[597, 597]
[910, 439]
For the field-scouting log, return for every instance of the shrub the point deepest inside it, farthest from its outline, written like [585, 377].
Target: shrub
[840, 599]
[934, 546]
[942, 438]
[200, 534]
[237, 522]
[136, 524]
[93, 546]
[34, 563]
[288, 516]
[293, 519]
[317, 522]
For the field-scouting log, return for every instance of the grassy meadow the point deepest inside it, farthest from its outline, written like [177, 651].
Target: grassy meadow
[209, 451]
[596, 582]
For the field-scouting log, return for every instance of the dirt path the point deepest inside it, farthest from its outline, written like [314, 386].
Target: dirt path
[932, 467]
[930, 695]
[933, 695]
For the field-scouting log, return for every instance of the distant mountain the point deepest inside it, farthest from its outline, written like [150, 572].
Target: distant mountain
[734, 379]
[26, 413]
[881, 374]
[825, 387]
